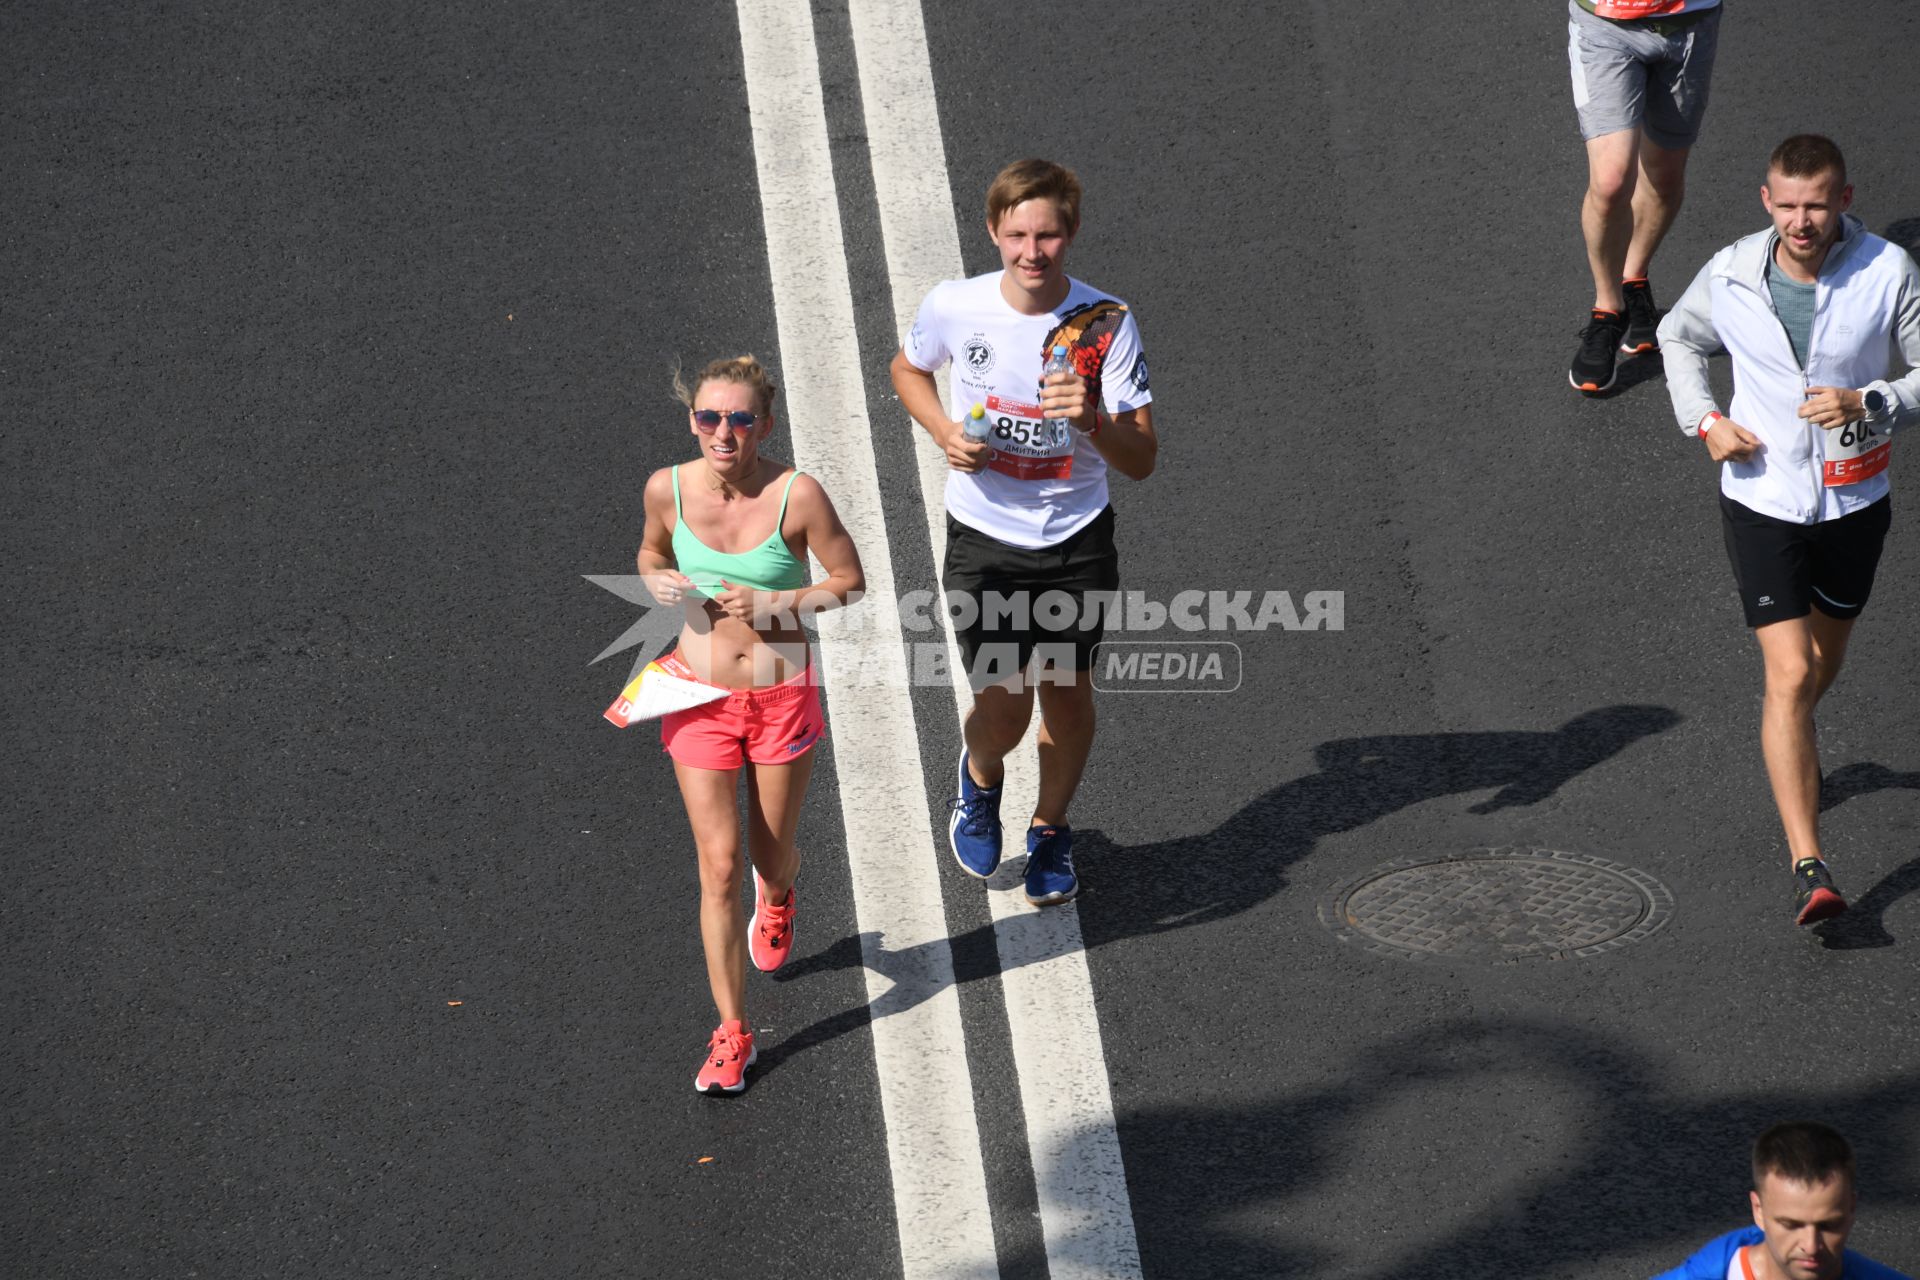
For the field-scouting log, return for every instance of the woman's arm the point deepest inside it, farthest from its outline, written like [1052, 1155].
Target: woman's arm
[665, 583]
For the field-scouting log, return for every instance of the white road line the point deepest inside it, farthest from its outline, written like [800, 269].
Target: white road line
[1085, 1213]
[933, 1141]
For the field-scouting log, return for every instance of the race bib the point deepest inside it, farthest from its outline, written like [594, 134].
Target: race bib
[1854, 453]
[666, 685]
[1024, 446]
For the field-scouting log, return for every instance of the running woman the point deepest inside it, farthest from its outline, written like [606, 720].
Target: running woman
[1027, 510]
[727, 538]
[1803, 1202]
[1818, 315]
[1641, 70]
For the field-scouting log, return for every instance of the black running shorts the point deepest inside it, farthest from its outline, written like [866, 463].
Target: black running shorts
[1008, 602]
[1786, 569]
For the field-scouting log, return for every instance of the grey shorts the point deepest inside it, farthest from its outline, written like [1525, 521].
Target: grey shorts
[1651, 74]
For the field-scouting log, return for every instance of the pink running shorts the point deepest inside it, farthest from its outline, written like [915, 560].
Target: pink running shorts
[775, 725]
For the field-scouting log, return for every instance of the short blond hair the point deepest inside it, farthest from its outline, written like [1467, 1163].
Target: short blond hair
[1025, 180]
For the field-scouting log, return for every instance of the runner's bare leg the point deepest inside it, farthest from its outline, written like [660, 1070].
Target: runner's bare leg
[1067, 721]
[709, 796]
[1786, 731]
[994, 727]
[1607, 211]
[1657, 196]
[774, 794]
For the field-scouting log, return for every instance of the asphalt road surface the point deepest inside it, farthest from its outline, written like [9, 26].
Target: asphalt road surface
[343, 937]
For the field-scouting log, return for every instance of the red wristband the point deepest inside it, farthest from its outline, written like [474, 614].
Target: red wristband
[1706, 423]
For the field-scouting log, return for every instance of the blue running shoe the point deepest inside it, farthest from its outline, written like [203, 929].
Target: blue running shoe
[1050, 878]
[973, 830]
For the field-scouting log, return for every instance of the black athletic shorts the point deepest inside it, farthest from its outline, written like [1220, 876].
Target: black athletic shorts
[1785, 569]
[1008, 602]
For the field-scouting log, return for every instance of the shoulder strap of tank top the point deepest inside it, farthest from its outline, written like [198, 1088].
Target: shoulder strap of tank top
[678, 516]
[786, 493]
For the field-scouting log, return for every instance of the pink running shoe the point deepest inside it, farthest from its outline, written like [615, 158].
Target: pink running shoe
[770, 935]
[729, 1054]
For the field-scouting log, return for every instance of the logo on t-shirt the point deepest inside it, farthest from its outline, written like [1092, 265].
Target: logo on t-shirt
[1140, 373]
[978, 353]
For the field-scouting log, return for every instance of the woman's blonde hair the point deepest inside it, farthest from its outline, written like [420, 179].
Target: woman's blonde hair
[745, 370]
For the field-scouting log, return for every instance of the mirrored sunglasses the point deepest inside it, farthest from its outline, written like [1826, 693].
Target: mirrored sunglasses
[708, 420]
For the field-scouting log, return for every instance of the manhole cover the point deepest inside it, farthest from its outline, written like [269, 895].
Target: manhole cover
[1498, 904]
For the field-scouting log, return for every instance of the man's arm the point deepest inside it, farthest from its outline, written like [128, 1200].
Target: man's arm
[1687, 338]
[1831, 407]
[920, 397]
[1128, 443]
[1126, 440]
[1904, 392]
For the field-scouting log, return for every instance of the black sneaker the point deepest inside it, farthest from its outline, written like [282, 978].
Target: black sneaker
[1643, 319]
[1592, 369]
[1814, 897]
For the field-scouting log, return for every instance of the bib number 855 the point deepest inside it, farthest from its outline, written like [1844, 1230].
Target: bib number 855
[1033, 434]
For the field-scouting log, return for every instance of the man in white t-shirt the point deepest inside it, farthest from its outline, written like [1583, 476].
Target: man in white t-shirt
[1030, 565]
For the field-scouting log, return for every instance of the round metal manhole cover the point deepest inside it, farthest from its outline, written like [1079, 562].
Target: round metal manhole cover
[1498, 904]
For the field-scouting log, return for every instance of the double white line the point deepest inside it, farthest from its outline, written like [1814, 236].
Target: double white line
[933, 1141]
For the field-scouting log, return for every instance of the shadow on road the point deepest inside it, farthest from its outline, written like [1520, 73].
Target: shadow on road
[1863, 926]
[1673, 1167]
[1631, 372]
[1862, 778]
[1244, 861]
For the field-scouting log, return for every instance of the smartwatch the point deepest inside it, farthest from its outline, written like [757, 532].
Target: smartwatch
[1876, 402]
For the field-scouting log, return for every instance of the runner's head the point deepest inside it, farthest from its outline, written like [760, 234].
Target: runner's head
[1033, 213]
[721, 391]
[1803, 1198]
[1806, 191]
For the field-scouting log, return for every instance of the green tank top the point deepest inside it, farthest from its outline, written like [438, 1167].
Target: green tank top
[771, 566]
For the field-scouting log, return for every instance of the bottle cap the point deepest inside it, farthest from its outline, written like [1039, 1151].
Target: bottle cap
[978, 411]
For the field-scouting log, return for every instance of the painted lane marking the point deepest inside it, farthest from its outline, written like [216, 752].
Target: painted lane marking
[926, 1093]
[1085, 1212]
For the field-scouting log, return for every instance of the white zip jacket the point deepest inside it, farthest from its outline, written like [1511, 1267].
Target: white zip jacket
[1866, 326]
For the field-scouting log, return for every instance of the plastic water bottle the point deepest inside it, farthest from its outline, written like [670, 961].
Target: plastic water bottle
[976, 426]
[1057, 362]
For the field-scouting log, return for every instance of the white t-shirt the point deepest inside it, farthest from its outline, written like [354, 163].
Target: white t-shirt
[1039, 487]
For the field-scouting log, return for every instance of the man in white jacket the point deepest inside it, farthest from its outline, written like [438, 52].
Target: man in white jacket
[1818, 315]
